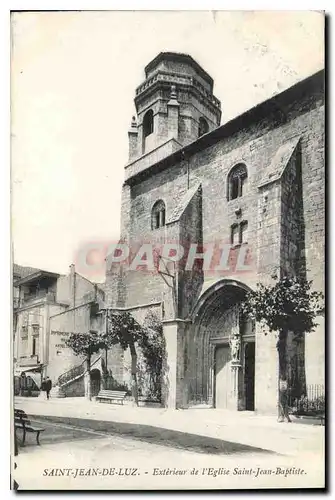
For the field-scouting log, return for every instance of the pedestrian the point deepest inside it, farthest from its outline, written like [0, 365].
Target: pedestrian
[43, 385]
[48, 386]
[283, 401]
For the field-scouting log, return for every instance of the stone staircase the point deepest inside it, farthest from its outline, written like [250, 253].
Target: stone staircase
[57, 392]
[67, 380]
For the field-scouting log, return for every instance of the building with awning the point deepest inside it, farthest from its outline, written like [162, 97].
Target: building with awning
[44, 302]
[35, 298]
[28, 380]
[31, 369]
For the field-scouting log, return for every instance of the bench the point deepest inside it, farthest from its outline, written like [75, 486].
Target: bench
[21, 421]
[111, 396]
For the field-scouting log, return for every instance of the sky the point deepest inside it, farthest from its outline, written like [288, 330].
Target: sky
[73, 80]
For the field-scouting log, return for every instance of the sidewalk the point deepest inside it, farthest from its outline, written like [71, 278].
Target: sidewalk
[241, 427]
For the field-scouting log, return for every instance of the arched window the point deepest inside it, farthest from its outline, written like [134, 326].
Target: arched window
[203, 127]
[158, 215]
[237, 179]
[147, 130]
[148, 123]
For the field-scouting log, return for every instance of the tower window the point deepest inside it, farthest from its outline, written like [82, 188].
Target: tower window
[148, 123]
[235, 235]
[237, 180]
[239, 233]
[203, 127]
[158, 215]
[244, 231]
[147, 129]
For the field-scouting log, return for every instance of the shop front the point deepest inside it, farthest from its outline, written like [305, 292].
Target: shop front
[27, 381]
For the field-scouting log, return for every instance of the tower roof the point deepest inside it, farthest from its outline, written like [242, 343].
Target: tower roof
[309, 92]
[181, 58]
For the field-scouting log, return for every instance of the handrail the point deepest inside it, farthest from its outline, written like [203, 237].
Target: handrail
[74, 372]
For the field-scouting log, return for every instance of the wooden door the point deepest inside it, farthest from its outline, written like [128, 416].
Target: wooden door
[222, 376]
[249, 376]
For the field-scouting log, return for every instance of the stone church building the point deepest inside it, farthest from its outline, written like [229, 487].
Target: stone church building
[255, 183]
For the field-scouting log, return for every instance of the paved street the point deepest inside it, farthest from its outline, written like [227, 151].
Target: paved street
[99, 438]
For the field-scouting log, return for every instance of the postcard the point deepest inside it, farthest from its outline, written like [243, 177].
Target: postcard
[168, 206]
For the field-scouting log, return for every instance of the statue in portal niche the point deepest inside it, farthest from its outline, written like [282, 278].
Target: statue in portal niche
[235, 344]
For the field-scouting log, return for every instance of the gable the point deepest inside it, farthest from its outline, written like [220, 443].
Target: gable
[275, 169]
[182, 205]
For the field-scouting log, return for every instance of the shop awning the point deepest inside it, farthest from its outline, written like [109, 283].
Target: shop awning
[36, 378]
[29, 373]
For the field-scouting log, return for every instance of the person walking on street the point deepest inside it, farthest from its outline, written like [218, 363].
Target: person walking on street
[283, 401]
[48, 386]
[43, 386]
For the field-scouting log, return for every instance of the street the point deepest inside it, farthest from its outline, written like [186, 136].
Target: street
[102, 450]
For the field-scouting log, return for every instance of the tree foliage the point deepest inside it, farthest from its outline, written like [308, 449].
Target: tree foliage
[290, 304]
[153, 349]
[85, 344]
[123, 329]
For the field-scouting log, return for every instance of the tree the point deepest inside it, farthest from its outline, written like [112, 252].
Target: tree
[289, 305]
[86, 344]
[152, 345]
[123, 329]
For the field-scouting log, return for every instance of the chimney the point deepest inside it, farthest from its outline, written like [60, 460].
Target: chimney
[72, 285]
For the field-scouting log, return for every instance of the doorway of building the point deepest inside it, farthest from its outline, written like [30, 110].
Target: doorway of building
[95, 382]
[249, 376]
[222, 376]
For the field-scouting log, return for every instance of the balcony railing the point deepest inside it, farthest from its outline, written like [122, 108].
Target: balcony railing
[37, 296]
[31, 360]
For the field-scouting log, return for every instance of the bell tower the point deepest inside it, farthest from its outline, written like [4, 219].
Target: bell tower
[175, 102]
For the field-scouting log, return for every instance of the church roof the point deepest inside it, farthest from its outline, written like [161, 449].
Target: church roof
[273, 109]
[182, 205]
[277, 166]
[178, 57]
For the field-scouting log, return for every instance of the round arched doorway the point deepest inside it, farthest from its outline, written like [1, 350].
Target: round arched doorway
[221, 368]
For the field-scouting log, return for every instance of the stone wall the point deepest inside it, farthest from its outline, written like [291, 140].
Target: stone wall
[80, 320]
[256, 147]
[189, 282]
[265, 208]
[266, 372]
[75, 388]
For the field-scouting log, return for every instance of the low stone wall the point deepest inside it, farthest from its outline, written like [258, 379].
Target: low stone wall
[75, 388]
